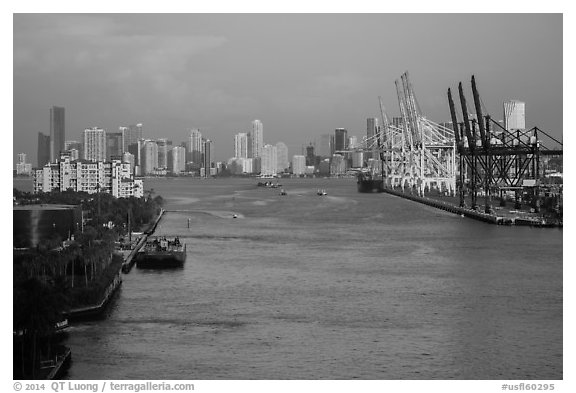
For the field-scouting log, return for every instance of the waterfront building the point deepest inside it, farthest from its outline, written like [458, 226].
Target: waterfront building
[113, 177]
[148, 156]
[310, 155]
[269, 160]
[95, 144]
[338, 165]
[324, 167]
[23, 168]
[164, 146]
[282, 156]
[340, 139]
[514, 115]
[325, 147]
[43, 156]
[353, 142]
[57, 132]
[241, 145]
[130, 135]
[298, 165]
[177, 160]
[357, 159]
[208, 154]
[195, 147]
[256, 139]
[114, 145]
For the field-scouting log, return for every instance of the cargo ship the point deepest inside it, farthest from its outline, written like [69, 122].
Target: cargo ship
[369, 183]
[160, 252]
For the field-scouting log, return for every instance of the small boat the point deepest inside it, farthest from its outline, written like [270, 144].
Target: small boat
[283, 192]
[321, 192]
[160, 252]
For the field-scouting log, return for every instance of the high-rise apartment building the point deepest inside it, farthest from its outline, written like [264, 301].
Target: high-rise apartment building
[514, 115]
[340, 139]
[241, 145]
[282, 156]
[195, 147]
[112, 177]
[256, 139]
[130, 135]
[57, 132]
[164, 146]
[95, 144]
[23, 168]
[298, 165]
[114, 145]
[208, 155]
[148, 156]
[43, 156]
[177, 160]
[269, 161]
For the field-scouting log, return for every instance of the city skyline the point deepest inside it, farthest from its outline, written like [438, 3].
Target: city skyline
[209, 72]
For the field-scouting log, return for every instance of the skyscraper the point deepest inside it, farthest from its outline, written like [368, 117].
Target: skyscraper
[325, 146]
[514, 115]
[282, 157]
[340, 139]
[177, 159]
[164, 145]
[114, 145]
[269, 160]
[241, 145]
[148, 156]
[94, 144]
[371, 127]
[57, 132]
[208, 155]
[256, 138]
[195, 146]
[130, 135]
[43, 156]
[298, 165]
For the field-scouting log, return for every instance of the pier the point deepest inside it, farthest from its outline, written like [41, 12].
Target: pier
[130, 261]
[499, 219]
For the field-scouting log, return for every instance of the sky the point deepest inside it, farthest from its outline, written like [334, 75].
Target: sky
[302, 75]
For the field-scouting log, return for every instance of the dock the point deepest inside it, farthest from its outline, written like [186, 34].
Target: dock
[491, 218]
[130, 258]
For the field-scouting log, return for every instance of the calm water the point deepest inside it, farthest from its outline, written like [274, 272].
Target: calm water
[345, 286]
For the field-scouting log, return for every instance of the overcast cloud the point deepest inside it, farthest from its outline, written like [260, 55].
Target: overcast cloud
[302, 75]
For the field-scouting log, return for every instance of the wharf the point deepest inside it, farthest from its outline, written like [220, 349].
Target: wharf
[499, 217]
[130, 258]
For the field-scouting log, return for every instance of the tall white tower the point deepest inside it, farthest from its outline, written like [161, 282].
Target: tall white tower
[241, 145]
[256, 138]
[94, 144]
[514, 115]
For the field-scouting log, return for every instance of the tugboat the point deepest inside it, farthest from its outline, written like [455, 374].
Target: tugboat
[160, 252]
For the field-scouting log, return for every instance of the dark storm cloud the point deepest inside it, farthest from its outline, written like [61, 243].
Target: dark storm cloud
[302, 75]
